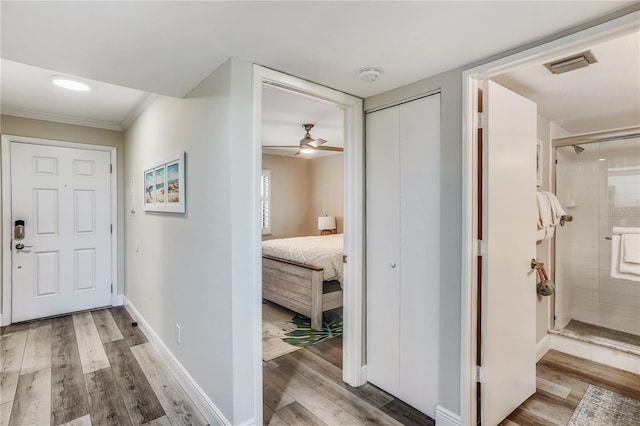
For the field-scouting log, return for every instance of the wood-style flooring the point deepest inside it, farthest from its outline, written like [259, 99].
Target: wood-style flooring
[306, 388]
[561, 381]
[89, 368]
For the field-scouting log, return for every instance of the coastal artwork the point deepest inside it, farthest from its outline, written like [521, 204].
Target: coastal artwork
[173, 183]
[149, 188]
[164, 186]
[160, 186]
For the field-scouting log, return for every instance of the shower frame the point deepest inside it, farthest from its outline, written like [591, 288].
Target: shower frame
[582, 139]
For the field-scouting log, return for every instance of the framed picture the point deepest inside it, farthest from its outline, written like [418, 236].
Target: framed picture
[164, 186]
[539, 163]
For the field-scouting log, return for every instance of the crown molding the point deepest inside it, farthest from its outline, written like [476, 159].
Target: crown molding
[145, 100]
[58, 118]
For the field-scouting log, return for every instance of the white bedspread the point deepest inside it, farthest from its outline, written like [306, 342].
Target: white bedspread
[324, 251]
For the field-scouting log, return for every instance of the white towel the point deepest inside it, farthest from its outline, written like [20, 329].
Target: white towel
[620, 269]
[544, 210]
[631, 248]
[556, 208]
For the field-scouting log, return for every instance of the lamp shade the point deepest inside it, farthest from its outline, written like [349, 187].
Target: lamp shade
[326, 222]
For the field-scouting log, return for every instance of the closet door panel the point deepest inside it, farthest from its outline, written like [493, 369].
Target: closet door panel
[419, 252]
[383, 256]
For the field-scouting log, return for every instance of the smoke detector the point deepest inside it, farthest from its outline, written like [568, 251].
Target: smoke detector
[570, 63]
[369, 74]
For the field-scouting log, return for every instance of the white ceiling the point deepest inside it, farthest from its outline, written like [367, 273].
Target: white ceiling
[169, 47]
[602, 96]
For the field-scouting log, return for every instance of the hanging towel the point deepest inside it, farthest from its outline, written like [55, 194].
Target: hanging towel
[544, 210]
[556, 208]
[619, 267]
[631, 248]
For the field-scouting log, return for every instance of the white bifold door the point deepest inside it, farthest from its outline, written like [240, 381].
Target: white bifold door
[63, 197]
[403, 250]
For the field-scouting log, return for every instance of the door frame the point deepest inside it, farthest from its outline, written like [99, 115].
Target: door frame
[353, 372]
[541, 51]
[7, 283]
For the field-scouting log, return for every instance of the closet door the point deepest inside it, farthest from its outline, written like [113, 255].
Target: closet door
[383, 248]
[403, 244]
[419, 313]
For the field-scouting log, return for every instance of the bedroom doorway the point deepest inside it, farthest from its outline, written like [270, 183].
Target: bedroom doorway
[311, 185]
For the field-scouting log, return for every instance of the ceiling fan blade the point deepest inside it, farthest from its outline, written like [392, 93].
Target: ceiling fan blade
[297, 153]
[281, 146]
[330, 148]
[316, 143]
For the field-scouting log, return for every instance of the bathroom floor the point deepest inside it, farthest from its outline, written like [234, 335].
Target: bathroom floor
[603, 334]
[561, 382]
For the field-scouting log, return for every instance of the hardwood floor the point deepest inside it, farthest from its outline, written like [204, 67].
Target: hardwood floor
[604, 334]
[562, 380]
[306, 387]
[90, 368]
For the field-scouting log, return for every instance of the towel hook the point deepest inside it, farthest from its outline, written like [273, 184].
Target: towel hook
[565, 218]
[535, 264]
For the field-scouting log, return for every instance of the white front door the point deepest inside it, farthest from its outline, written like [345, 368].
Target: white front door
[508, 351]
[63, 196]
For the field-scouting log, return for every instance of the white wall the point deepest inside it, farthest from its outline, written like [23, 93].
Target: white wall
[18, 126]
[191, 269]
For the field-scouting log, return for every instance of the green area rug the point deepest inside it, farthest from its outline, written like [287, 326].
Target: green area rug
[304, 335]
[284, 331]
[605, 408]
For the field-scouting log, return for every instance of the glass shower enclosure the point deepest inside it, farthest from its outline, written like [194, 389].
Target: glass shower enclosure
[598, 183]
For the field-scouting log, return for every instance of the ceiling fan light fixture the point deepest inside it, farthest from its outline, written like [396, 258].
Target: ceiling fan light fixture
[306, 149]
[70, 83]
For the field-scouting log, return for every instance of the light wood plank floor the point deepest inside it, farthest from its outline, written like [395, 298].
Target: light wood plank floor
[306, 388]
[562, 380]
[90, 368]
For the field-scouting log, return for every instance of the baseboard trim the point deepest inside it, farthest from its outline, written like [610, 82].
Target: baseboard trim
[542, 347]
[118, 300]
[445, 417]
[363, 374]
[191, 387]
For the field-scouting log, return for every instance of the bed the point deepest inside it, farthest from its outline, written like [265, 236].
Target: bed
[304, 274]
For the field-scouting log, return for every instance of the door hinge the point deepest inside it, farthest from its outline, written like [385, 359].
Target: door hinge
[482, 120]
[111, 288]
[481, 248]
[344, 258]
[110, 168]
[479, 374]
[111, 229]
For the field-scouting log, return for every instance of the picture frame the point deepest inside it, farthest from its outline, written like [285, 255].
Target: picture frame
[539, 161]
[164, 186]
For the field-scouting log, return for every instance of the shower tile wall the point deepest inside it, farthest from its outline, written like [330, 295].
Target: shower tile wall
[604, 184]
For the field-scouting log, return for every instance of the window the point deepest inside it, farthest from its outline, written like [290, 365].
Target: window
[265, 206]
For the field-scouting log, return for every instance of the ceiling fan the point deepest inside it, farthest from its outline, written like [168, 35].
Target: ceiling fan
[308, 145]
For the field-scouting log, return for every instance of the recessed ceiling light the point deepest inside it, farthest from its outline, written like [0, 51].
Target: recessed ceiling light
[70, 83]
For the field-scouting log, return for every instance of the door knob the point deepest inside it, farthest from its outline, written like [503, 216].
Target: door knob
[21, 246]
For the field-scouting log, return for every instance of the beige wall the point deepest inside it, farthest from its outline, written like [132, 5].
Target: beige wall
[301, 190]
[290, 196]
[17, 126]
[327, 189]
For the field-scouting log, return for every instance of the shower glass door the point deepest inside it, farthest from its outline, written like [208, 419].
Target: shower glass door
[599, 185]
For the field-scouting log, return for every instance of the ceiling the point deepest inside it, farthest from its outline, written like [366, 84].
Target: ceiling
[284, 113]
[602, 96]
[169, 47]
